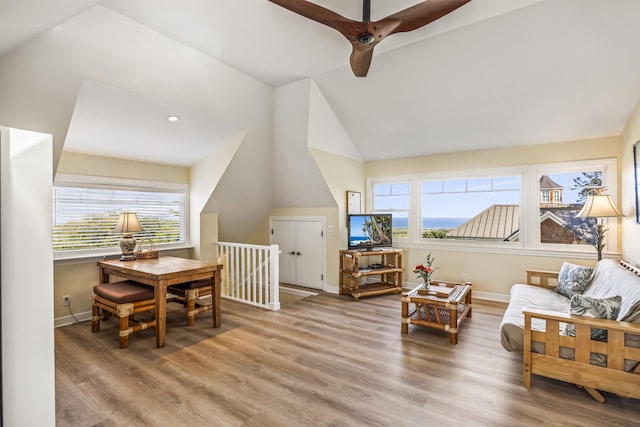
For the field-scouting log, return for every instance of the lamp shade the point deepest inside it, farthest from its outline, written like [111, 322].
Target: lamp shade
[128, 223]
[599, 206]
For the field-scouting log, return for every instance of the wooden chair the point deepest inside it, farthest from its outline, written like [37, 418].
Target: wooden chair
[189, 294]
[123, 300]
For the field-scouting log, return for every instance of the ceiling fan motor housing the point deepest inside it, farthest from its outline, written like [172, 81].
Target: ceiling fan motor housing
[366, 38]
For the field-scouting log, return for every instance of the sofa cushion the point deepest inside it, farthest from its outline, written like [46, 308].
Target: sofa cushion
[610, 279]
[606, 308]
[511, 328]
[573, 279]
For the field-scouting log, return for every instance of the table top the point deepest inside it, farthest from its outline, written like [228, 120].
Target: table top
[457, 294]
[161, 266]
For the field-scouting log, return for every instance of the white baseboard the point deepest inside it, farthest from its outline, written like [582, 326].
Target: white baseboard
[332, 289]
[490, 296]
[69, 320]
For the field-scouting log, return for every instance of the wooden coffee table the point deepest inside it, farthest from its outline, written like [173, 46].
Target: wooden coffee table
[443, 307]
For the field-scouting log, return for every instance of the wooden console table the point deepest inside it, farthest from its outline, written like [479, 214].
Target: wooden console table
[388, 270]
[160, 273]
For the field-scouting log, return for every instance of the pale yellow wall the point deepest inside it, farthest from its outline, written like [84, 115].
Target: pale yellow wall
[491, 273]
[84, 164]
[341, 174]
[630, 230]
[527, 155]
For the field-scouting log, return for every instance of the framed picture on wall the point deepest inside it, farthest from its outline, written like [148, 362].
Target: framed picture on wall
[636, 174]
[354, 202]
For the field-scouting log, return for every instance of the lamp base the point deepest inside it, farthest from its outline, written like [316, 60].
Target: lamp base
[127, 246]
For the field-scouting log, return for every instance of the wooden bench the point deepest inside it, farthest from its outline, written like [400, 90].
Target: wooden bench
[123, 300]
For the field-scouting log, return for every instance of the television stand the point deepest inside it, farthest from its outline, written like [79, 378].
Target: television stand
[354, 273]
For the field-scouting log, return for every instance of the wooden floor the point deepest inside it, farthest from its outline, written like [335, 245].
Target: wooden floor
[325, 360]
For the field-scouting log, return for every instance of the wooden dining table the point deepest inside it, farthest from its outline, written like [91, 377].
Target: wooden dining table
[162, 272]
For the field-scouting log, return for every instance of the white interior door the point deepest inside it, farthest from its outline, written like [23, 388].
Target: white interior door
[309, 254]
[301, 245]
[283, 234]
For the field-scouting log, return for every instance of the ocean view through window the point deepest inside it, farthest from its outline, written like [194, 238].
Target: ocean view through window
[512, 208]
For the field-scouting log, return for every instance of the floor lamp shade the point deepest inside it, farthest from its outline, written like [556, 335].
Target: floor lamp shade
[127, 225]
[599, 206]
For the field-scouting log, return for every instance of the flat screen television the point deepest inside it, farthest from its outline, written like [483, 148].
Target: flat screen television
[370, 231]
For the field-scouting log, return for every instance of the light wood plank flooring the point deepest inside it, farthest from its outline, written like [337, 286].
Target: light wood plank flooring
[324, 361]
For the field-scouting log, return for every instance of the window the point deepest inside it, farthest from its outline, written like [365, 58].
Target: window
[86, 210]
[393, 198]
[520, 208]
[484, 208]
[569, 189]
[545, 196]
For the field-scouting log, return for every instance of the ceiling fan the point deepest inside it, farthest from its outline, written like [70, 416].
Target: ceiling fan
[366, 34]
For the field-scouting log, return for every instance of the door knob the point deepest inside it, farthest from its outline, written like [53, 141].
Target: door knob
[298, 253]
[291, 253]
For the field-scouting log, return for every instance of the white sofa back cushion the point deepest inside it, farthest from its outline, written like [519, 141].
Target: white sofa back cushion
[610, 279]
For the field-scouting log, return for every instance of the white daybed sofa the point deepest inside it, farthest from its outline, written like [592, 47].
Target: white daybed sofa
[538, 322]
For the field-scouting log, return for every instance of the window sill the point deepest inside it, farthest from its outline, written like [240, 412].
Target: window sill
[95, 257]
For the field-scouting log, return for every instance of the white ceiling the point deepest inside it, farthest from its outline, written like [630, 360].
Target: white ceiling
[494, 73]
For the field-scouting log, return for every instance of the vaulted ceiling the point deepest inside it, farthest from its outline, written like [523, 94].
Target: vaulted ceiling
[493, 73]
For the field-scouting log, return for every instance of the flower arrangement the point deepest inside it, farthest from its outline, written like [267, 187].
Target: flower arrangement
[426, 270]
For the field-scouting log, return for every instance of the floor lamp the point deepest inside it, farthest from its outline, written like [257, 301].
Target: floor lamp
[599, 206]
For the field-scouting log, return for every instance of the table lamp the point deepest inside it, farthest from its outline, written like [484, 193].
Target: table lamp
[128, 224]
[599, 206]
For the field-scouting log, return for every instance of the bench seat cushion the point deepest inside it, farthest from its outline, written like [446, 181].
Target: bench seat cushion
[124, 292]
[192, 285]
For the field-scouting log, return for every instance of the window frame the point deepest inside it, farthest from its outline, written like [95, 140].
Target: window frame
[529, 243]
[394, 180]
[108, 183]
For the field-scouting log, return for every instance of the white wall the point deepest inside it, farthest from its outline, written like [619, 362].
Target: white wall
[40, 82]
[28, 360]
[297, 182]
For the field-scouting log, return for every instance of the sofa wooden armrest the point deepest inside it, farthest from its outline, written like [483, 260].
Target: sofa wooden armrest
[542, 278]
[554, 362]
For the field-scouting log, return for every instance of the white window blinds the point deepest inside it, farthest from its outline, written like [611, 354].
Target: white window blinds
[84, 215]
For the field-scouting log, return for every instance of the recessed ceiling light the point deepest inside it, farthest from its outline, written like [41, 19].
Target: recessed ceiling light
[173, 118]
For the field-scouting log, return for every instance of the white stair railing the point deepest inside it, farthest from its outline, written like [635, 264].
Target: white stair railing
[250, 274]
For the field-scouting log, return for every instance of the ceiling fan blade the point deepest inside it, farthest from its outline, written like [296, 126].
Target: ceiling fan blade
[318, 14]
[361, 58]
[421, 14]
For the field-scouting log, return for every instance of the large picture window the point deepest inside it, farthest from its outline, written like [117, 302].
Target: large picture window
[530, 207]
[85, 212]
[470, 208]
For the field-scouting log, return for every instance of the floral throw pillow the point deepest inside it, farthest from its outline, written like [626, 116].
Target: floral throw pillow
[573, 279]
[605, 308]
